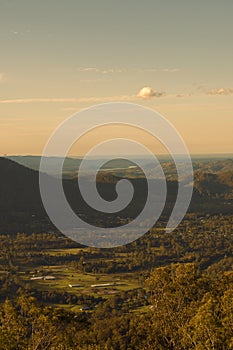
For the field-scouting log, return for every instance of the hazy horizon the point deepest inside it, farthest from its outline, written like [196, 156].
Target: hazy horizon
[212, 155]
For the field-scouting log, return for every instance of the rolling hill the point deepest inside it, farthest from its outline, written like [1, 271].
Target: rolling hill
[21, 208]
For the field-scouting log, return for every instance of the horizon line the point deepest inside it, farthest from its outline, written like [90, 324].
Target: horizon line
[5, 155]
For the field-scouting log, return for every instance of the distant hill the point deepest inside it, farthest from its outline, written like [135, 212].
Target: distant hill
[215, 184]
[20, 202]
[21, 207]
[19, 188]
[214, 166]
[33, 162]
[71, 164]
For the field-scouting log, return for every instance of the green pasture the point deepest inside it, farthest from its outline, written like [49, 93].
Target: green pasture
[64, 276]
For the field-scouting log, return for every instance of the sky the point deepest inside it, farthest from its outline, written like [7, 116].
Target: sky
[58, 57]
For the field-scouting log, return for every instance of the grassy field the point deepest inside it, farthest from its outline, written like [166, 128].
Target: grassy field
[65, 276]
[63, 252]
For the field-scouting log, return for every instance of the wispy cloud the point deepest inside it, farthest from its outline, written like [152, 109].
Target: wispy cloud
[171, 70]
[20, 32]
[155, 70]
[101, 70]
[148, 92]
[220, 91]
[88, 69]
[125, 70]
[69, 100]
[36, 100]
[92, 81]
[145, 93]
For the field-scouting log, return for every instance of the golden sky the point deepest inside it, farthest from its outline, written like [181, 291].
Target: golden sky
[58, 57]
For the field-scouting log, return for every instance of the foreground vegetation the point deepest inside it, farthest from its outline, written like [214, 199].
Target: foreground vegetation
[189, 310]
[164, 291]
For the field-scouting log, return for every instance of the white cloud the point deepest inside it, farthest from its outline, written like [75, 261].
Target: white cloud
[221, 91]
[145, 93]
[148, 92]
